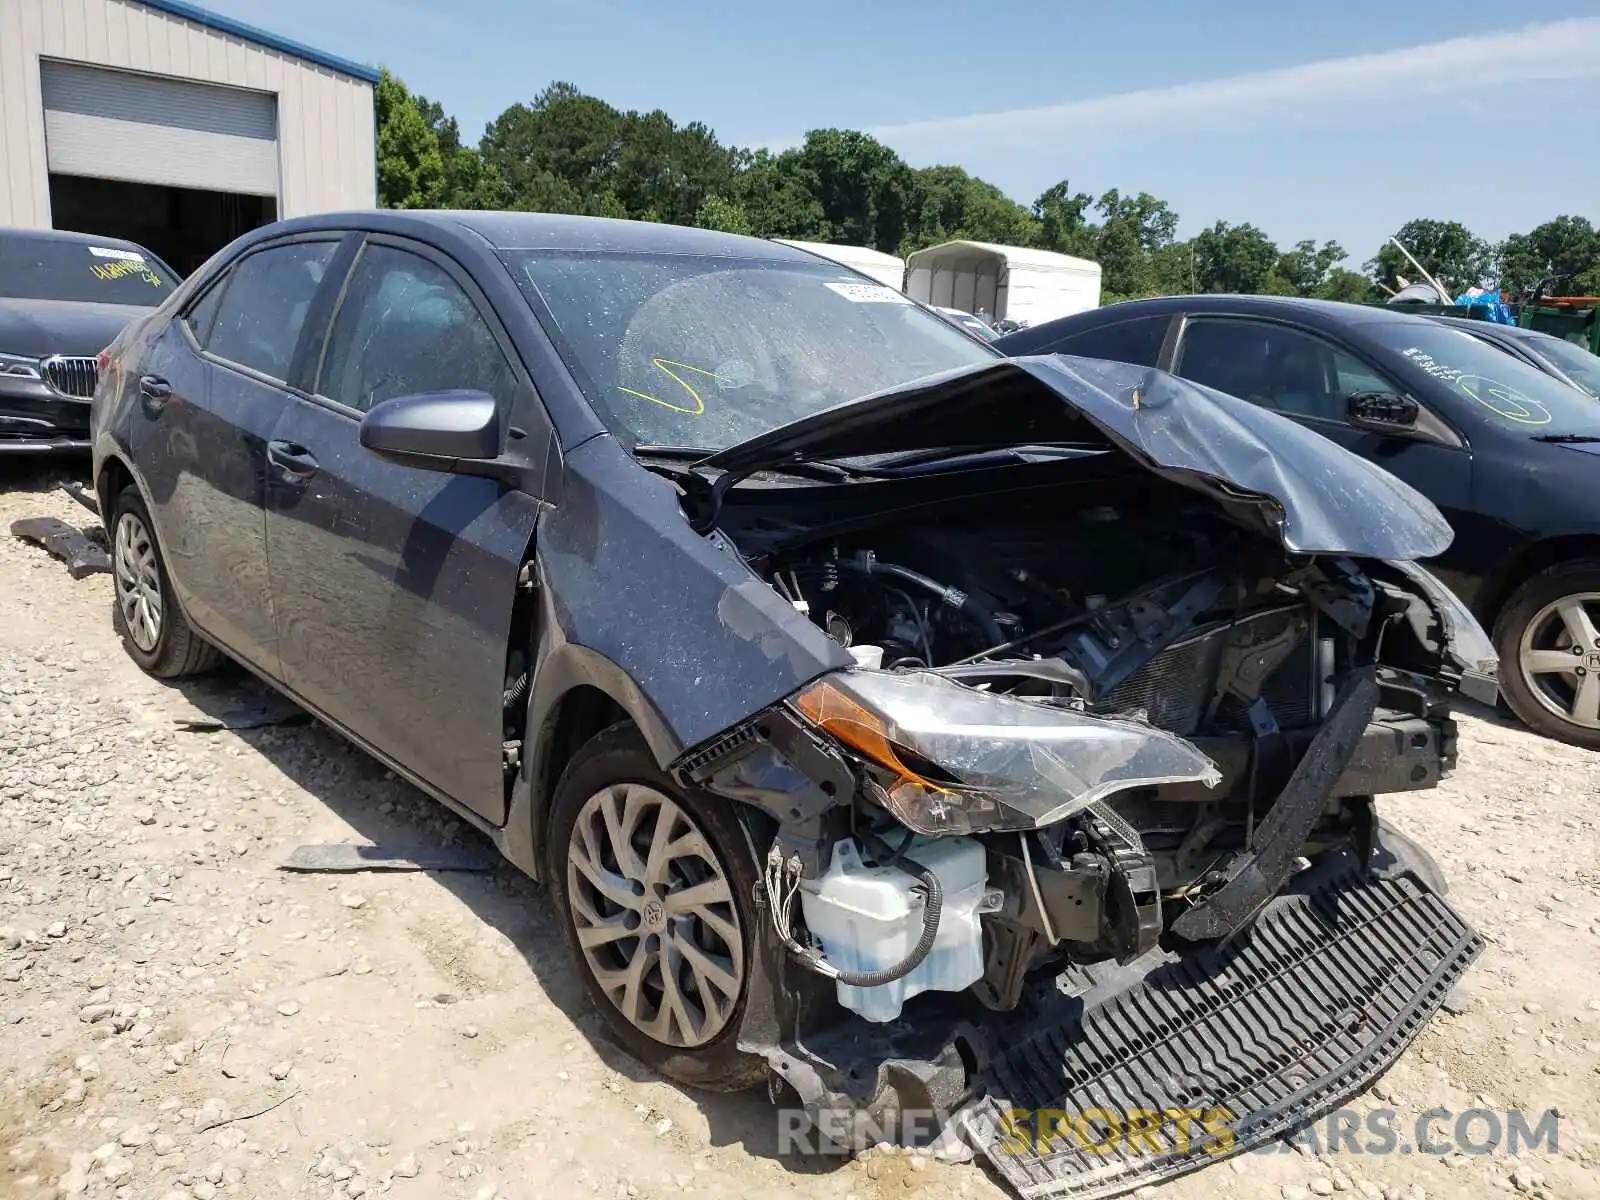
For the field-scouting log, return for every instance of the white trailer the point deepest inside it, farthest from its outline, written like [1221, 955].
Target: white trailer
[1003, 282]
[875, 264]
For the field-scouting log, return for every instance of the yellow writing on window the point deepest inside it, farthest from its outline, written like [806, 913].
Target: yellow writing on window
[121, 270]
[669, 368]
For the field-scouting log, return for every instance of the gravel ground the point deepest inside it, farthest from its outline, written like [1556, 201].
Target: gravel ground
[181, 1018]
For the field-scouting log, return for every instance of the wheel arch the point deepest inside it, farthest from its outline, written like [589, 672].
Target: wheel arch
[576, 695]
[1525, 564]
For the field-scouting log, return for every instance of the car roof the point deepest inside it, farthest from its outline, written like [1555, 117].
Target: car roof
[559, 231]
[70, 238]
[1283, 306]
[1494, 328]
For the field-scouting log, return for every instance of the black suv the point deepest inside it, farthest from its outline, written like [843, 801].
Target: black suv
[63, 298]
[1507, 452]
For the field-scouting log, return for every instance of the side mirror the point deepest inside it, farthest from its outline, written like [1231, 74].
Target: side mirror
[457, 432]
[1383, 411]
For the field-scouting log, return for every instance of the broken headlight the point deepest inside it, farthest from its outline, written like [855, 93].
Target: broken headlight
[965, 761]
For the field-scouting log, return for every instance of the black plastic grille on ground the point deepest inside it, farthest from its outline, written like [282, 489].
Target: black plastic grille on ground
[1277, 1029]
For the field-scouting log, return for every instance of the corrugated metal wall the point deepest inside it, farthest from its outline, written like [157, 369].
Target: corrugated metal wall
[324, 119]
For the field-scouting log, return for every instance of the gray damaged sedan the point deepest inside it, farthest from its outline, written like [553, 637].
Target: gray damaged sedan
[934, 736]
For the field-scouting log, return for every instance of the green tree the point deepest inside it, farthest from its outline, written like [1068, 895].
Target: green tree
[411, 171]
[1233, 258]
[1451, 252]
[947, 203]
[1306, 269]
[773, 192]
[1064, 224]
[1132, 236]
[863, 187]
[469, 182]
[1567, 245]
[1352, 287]
[729, 216]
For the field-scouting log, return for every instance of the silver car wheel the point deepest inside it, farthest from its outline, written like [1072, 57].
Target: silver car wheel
[1559, 656]
[654, 915]
[138, 582]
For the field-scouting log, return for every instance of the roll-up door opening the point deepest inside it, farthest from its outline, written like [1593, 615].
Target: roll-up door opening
[182, 168]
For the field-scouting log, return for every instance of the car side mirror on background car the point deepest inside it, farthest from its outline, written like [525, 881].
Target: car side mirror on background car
[457, 432]
[1383, 411]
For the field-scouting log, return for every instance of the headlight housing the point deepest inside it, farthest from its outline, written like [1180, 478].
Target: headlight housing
[17, 366]
[966, 761]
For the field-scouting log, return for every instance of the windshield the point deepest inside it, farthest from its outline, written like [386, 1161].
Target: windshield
[1583, 367]
[35, 268]
[691, 350]
[1499, 388]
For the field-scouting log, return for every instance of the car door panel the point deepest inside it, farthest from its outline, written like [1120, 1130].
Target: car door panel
[395, 586]
[1308, 377]
[204, 441]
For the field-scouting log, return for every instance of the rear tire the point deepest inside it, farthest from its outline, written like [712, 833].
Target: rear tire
[144, 612]
[1548, 638]
[670, 982]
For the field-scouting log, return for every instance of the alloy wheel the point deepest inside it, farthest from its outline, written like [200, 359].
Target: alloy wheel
[1559, 656]
[138, 582]
[654, 916]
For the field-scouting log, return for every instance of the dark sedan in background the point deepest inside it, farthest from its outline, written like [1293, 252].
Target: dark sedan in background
[1507, 452]
[1552, 355]
[63, 298]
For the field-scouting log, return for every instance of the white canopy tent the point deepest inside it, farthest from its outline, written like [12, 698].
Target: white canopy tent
[875, 264]
[1011, 282]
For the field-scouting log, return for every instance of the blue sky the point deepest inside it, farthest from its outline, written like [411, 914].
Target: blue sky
[1308, 119]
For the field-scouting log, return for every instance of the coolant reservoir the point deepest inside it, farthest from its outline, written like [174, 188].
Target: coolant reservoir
[868, 919]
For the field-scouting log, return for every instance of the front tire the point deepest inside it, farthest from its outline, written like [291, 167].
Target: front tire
[1548, 638]
[654, 887]
[145, 613]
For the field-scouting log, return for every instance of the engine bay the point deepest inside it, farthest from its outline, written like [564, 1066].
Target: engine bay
[1098, 595]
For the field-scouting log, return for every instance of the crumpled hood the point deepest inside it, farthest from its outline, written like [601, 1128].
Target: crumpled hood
[1267, 471]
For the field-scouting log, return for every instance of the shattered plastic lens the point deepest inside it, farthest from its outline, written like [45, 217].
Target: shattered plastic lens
[967, 761]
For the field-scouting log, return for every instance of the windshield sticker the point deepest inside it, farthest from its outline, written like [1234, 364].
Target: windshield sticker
[867, 293]
[123, 269]
[1499, 398]
[669, 368]
[124, 255]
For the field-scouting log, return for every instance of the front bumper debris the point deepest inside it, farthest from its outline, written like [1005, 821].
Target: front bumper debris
[1073, 1095]
[1255, 1037]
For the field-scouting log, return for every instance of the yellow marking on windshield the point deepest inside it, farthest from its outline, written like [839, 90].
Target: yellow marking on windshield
[666, 365]
[120, 270]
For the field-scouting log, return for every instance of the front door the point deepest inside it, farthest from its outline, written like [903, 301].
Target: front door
[211, 391]
[394, 586]
[1310, 379]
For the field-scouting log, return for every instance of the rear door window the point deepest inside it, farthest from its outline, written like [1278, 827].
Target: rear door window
[263, 306]
[1137, 341]
[406, 327]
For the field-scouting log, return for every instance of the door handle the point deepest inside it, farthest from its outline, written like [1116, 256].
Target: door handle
[154, 392]
[293, 462]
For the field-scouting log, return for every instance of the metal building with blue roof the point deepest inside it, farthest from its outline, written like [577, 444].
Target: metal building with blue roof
[171, 126]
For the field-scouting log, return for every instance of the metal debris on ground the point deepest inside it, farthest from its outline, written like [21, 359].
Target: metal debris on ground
[82, 495]
[343, 857]
[62, 541]
[256, 716]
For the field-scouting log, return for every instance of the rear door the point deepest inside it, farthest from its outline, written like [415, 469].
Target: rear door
[211, 388]
[394, 586]
[1309, 378]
